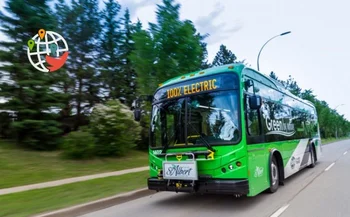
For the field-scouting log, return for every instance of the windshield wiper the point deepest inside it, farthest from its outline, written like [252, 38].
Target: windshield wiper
[200, 135]
[204, 140]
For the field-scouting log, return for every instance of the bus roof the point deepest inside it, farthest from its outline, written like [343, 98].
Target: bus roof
[237, 67]
[280, 87]
[234, 67]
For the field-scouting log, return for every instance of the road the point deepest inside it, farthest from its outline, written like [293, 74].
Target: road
[318, 192]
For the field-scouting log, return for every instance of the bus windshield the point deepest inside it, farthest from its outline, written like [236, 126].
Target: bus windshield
[187, 121]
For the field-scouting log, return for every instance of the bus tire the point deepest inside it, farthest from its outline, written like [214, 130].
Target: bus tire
[313, 157]
[274, 176]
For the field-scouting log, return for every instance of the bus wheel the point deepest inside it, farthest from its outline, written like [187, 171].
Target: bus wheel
[274, 176]
[312, 154]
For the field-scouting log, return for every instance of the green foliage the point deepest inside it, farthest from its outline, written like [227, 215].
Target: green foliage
[143, 143]
[82, 30]
[205, 63]
[67, 85]
[331, 124]
[5, 125]
[78, 145]
[110, 58]
[224, 56]
[171, 47]
[114, 128]
[110, 61]
[126, 48]
[29, 91]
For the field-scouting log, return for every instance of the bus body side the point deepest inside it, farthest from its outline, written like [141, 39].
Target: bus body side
[278, 133]
[244, 168]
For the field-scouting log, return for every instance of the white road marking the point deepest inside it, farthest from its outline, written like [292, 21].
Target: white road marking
[345, 153]
[280, 211]
[330, 166]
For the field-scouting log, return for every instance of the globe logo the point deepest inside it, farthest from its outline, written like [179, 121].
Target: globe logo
[47, 51]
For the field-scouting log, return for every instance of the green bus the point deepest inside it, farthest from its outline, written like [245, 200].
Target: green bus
[228, 130]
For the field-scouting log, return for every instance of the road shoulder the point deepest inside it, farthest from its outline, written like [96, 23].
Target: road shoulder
[98, 204]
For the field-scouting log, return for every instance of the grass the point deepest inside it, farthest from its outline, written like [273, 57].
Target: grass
[22, 167]
[43, 200]
[330, 140]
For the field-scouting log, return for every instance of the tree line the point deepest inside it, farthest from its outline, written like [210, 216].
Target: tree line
[110, 58]
[332, 124]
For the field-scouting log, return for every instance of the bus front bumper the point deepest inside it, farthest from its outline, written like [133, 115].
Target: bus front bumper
[210, 186]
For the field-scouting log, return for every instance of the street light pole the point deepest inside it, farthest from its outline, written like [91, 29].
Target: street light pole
[285, 33]
[338, 106]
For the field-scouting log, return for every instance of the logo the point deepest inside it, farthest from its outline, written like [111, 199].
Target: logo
[177, 170]
[211, 155]
[179, 157]
[279, 127]
[47, 51]
[258, 172]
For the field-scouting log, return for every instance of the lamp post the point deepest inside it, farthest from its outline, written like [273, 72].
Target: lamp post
[282, 34]
[336, 126]
[338, 106]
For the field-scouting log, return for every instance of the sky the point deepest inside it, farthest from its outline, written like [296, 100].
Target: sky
[315, 53]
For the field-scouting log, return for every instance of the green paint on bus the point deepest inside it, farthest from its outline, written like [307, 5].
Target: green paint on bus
[229, 130]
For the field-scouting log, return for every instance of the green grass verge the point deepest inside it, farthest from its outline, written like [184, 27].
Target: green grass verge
[330, 140]
[22, 167]
[48, 199]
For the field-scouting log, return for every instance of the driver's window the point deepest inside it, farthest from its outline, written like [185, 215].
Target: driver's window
[156, 127]
[252, 119]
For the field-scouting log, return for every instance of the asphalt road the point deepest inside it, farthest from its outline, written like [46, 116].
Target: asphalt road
[318, 192]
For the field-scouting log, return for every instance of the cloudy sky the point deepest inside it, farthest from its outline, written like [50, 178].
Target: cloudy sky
[315, 53]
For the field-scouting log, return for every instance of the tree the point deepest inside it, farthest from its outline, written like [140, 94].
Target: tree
[127, 46]
[273, 76]
[292, 86]
[224, 56]
[308, 95]
[29, 92]
[143, 58]
[113, 127]
[110, 61]
[205, 64]
[83, 67]
[172, 47]
[331, 124]
[67, 84]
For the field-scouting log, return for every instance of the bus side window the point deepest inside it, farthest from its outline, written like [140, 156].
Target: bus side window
[252, 120]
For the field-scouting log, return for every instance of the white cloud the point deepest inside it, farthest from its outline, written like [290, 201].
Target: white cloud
[135, 6]
[218, 31]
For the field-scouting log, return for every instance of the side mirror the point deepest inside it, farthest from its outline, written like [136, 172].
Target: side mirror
[136, 105]
[149, 98]
[255, 102]
[248, 83]
[137, 114]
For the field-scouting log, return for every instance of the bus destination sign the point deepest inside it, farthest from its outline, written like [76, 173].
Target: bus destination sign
[196, 87]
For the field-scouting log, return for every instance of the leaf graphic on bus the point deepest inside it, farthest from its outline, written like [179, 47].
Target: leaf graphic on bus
[281, 133]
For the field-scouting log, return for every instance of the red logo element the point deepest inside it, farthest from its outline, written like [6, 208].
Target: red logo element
[56, 63]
